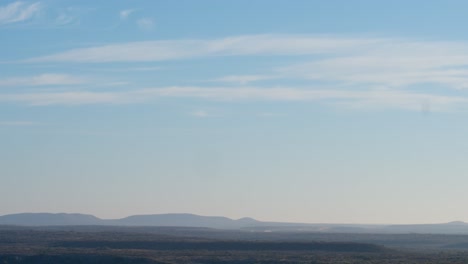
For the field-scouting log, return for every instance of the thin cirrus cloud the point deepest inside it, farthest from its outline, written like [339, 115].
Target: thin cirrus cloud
[243, 79]
[145, 23]
[124, 14]
[193, 48]
[390, 71]
[65, 19]
[377, 98]
[42, 80]
[352, 72]
[343, 60]
[200, 113]
[68, 16]
[18, 11]
[17, 123]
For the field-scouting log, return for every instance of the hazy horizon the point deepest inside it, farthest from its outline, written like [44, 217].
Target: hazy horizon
[223, 216]
[291, 111]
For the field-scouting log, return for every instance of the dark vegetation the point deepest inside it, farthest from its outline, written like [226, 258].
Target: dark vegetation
[97, 244]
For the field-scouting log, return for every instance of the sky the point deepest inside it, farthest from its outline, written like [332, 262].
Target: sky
[302, 111]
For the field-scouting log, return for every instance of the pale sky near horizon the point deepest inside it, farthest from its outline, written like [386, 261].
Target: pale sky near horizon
[303, 111]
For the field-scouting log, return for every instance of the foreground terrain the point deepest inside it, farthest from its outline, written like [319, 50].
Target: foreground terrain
[97, 244]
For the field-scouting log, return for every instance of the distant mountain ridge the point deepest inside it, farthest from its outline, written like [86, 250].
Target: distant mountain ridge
[182, 220]
[220, 222]
[39, 219]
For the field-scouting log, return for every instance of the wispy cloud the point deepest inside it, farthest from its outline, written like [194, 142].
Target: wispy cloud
[64, 98]
[145, 23]
[124, 14]
[65, 17]
[191, 48]
[130, 69]
[269, 114]
[18, 11]
[343, 60]
[243, 79]
[155, 68]
[373, 99]
[199, 113]
[349, 72]
[71, 15]
[41, 80]
[376, 98]
[390, 71]
[17, 123]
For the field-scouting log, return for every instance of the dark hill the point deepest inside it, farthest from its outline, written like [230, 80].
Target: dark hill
[39, 219]
[181, 220]
[185, 220]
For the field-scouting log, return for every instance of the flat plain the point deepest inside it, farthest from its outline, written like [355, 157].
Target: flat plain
[98, 244]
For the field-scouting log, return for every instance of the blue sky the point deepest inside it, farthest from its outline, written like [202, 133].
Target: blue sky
[304, 111]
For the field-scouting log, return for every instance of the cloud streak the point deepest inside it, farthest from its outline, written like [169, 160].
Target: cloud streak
[68, 16]
[389, 71]
[18, 11]
[343, 61]
[193, 48]
[145, 23]
[124, 14]
[199, 113]
[375, 99]
[17, 123]
[344, 71]
[243, 79]
[42, 80]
